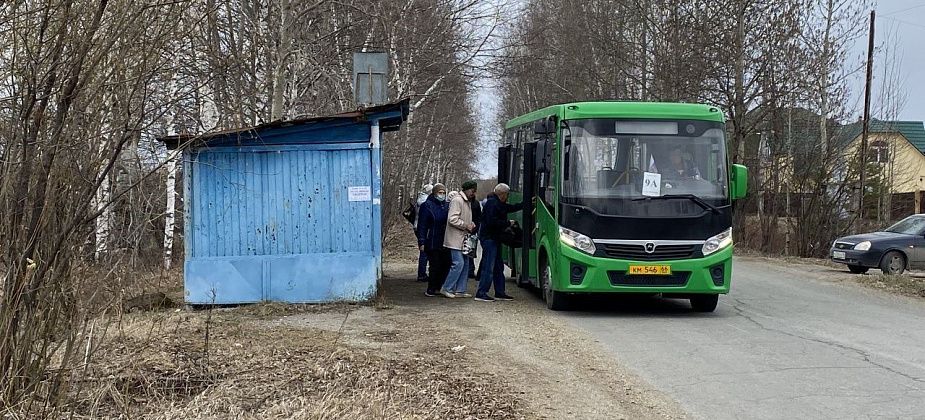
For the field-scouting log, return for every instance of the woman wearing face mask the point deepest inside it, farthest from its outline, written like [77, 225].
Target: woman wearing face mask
[431, 231]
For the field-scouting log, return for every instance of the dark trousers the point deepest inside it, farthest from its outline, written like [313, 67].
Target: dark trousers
[439, 260]
[492, 268]
[471, 267]
[422, 265]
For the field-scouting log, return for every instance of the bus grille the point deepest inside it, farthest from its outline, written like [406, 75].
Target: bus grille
[638, 252]
[620, 278]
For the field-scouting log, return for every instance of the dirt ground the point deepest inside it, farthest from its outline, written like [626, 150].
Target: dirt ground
[553, 370]
[403, 356]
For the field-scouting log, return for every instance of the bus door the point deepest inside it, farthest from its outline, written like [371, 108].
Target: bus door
[529, 212]
[505, 156]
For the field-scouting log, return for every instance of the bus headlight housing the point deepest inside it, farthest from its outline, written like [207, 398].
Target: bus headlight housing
[576, 240]
[718, 242]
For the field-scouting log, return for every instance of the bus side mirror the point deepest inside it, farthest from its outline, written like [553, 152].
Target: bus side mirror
[545, 126]
[738, 182]
[542, 151]
[504, 164]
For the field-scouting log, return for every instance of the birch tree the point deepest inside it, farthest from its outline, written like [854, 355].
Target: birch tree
[60, 145]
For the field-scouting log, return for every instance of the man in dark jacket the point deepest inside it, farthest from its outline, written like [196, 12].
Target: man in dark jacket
[476, 217]
[431, 230]
[494, 221]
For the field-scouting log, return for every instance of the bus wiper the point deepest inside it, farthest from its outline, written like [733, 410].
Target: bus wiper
[696, 199]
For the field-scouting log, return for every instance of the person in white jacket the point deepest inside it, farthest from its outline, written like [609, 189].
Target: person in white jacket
[459, 226]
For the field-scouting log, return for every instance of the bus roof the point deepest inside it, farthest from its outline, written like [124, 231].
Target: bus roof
[621, 109]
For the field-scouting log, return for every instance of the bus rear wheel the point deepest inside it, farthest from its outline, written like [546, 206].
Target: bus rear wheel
[556, 301]
[704, 303]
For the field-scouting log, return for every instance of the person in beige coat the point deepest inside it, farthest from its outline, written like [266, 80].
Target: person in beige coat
[459, 225]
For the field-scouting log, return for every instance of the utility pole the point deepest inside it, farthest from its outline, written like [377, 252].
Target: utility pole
[865, 130]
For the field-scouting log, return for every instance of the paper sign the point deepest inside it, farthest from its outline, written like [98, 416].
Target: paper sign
[361, 193]
[651, 184]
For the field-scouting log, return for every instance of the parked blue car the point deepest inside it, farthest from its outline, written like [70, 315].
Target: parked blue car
[894, 250]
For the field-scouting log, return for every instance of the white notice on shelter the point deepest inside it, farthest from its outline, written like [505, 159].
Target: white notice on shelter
[361, 193]
[651, 184]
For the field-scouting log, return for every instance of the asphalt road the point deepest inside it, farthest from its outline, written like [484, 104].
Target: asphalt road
[786, 343]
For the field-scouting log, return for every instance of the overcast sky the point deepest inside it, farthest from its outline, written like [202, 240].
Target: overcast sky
[902, 22]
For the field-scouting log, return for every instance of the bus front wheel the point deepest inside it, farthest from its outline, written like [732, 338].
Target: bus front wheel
[704, 303]
[554, 300]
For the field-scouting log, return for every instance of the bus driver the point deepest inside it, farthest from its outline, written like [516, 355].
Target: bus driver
[679, 168]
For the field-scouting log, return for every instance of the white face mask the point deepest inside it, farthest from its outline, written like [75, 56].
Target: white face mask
[440, 197]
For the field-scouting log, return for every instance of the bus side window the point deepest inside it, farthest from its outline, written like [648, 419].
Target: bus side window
[566, 154]
[509, 165]
[549, 193]
[517, 168]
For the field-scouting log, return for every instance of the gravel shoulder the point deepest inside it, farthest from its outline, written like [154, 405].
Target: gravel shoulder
[911, 284]
[551, 369]
[402, 356]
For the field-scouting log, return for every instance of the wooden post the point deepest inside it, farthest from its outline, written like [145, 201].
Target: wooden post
[865, 130]
[918, 202]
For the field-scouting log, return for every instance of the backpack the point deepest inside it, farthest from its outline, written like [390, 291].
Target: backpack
[411, 213]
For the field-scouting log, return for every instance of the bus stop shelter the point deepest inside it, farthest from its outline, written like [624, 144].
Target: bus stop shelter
[287, 211]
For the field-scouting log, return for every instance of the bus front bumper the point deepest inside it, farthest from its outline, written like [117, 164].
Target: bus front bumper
[577, 272]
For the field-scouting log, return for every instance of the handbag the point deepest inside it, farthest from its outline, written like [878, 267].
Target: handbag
[471, 245]
[512, 236]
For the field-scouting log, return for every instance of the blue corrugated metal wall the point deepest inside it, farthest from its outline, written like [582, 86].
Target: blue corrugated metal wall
[280, 202]
[275, 223]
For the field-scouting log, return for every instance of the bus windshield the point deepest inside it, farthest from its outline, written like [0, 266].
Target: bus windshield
[611, 158]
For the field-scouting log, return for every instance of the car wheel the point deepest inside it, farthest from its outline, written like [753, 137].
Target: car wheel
[556, 301]
[704, 303]
[893, 263]
[857, 269]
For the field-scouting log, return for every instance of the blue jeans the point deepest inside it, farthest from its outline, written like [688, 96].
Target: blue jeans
[492, 268]
[422, 265]
[457, 278]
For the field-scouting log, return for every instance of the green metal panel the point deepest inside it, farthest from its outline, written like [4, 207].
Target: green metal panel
[616, 109]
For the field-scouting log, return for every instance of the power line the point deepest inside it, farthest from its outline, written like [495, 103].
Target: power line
[904, 22]
[903, 10]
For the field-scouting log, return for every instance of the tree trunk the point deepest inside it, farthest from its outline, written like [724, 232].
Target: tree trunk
[104, 220]
[170, 214]
[282, 58]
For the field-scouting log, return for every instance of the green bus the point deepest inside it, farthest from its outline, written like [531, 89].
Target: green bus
[630, 197]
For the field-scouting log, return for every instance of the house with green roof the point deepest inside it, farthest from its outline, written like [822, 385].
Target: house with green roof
[897, 145]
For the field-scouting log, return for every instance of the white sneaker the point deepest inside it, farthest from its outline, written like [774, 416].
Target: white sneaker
[447, 294]
[463, 295]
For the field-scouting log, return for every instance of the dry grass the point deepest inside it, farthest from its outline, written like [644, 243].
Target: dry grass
[906, 285]
[227, 363]
[161, 366]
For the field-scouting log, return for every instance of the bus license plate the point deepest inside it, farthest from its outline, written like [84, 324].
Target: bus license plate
[838, 255]
[651, 270]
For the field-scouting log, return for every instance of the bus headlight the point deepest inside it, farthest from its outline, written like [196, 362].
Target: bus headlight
[863, 246]
[576, 240]
[718, 242]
